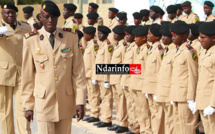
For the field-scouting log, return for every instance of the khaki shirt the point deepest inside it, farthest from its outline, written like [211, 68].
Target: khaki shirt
[173, 20]
[128, 59]
[71, 23]
[192, 18]
[90, 56]
[184, 74]
[181, 17]
[103, 56]
[156, 21]
[52, 78]
[117, 58]
[31, 22]
[80, 27]
[136, 82]
[196, 45]
[165, 74]
[111, 25]
[205, 93]
[211, 17]
[11, 52]
[154, 57]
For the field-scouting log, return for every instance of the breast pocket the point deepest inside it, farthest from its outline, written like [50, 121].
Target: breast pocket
[209, 68]
[42, 63]
[40, 95]
[100, 56]
[67, 60]
[153, 64]
[117, 58]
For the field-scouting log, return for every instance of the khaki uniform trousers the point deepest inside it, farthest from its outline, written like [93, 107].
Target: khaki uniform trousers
[93, 98]
[157, 116]
[169, 118]
[62, 127]
[142, 111]
[133, 124]
[208, 122]
[107, 102]
[121, 109]
[6, 110]
[184, 121]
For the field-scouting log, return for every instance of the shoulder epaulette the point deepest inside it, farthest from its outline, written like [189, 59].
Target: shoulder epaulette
[74, 21]
[160, 47]
[27, 35]
[108, 42]
[189, 47]
[148, 46]
[125, 44]
[70, 30]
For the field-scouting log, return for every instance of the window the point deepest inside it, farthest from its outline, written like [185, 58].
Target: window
[106, 1]
[84, 1]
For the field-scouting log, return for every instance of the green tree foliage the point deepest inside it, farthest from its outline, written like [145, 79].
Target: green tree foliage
[2, 1]
[29, 2]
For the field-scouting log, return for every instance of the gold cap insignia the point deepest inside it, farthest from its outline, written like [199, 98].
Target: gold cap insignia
[5, 6]
[44, 6]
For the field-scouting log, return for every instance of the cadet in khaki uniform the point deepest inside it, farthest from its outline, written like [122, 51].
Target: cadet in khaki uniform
[68, 14]
[172, 10]
[137, 18]
[136, 83]
[112, 23]
[145, 19]
[92, 21]
[28, 15]
[180, 16]
[10, 70]
[208, 7]
[104, 57]
[152, 67]
[125, 80]
[53, 75]
[79, 17]
[118, 94]
[205, 102]
[93, 7]
[89, 63]
[164, 79]
[122, 18]
[193, 38]
[39, 24]
[155, 15]
[184, 80]
[191, 17]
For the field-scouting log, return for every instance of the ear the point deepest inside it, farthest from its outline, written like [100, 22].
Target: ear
[213, 37]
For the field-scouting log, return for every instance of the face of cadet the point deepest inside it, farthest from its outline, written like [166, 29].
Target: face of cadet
[153, 14]
[102, 36]
[137, 21]
[27, 15]
[88, 36]
[207, 40]
[166, 39]
[91, 9]
[207, 10]
[122, 21]
[140, 40]
[178, 39]
[187, 10]
[9, 16]
[129, 37]
[49, 22]
[111, 15]
[151, 38]
[172, 16]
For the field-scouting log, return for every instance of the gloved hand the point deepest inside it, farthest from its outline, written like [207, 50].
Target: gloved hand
[208, 111]
[154, 98]
[106, 85]
[192, 105]
[146, 96]
[171, 102]
[94, 82]
[3, 30]
[123, 87]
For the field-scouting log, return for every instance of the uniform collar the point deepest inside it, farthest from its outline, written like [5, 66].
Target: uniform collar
[183, 46]
[210, 50]
[70, 18]
[155, 45]
[48, 34]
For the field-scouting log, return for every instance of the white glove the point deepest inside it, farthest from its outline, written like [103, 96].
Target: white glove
[123, 87]
[3, 30]
[192, 106]
[146, 96]
[106, 85]
[208, 111]
[171, 102]
[94, 82]
[154, 98]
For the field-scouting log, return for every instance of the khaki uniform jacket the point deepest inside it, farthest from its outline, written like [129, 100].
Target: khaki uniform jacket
[184, 74]
[80, 27]
[111, 25]
[54, 79]
[11, 52]
[152, 67]
[181, 17]
[31, 22]
[211, 17]
[136, 82]
[103, 56]
[90, 56]
[165, 75]
[156, 21]
[196, 45]
[71, 23]
[205, 94]
[192, 18]
[173, 20]
[117, 58]
[128, 59]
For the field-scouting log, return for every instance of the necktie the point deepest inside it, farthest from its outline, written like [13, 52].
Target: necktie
[51, 39]
[64, 22]
[13, 26]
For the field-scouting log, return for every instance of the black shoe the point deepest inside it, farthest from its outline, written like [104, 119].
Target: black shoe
[113, 128]
[97, 123]
[93, 119]
[121, 129]
[104, 124]
[74, 116]
[130, 132]
[86, 119]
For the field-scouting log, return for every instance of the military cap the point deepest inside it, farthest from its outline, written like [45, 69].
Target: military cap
[186, 4]
[194, 29]
[155, 9]
[178, 6]
[129, 29]
[161, 11]
[165, 30]
[155, 29]
[137, 15]
[7, 5]
[28, 9]
[89, 29]
[144, 12]
[38, 16]
[119, 29]
[70, 6]
[207, 28]
[93, 5]
[199, 23]
[92, 15]
[179, 27]
[121, 15]
[114, 10]
[171, 9]
[208, 3]
[78, 15]
[50, 8]
[104, 29]
[140, 31]
[80, 34]
[165, 23]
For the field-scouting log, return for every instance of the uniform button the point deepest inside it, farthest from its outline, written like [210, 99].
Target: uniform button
[171, 83]
[53, 54]
[56, 91]
[199, 80]
[55, 67]
[56, 78]
[198, 89]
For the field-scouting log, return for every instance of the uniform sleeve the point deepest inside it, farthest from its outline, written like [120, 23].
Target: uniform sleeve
[28, 78]
[212, 100]
[107, 60]
[195, 19]
[192, 75]
[78, 73]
